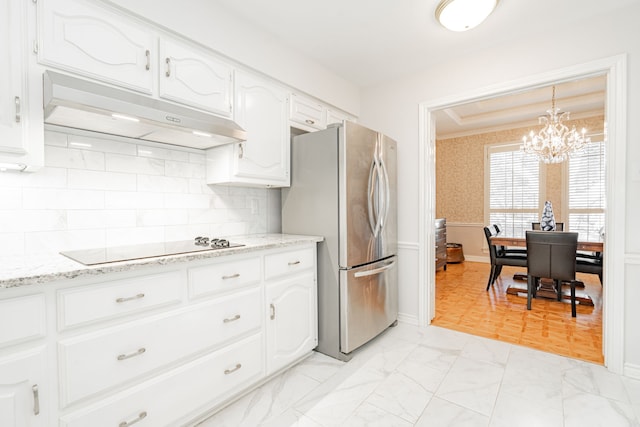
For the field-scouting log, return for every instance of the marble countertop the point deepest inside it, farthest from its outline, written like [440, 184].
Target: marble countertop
[30, 270]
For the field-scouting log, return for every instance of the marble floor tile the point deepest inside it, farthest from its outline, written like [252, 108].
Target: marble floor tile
[439, 413]
[412, 376]
[472, 384]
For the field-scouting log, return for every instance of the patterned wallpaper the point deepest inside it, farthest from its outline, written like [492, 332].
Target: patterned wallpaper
[460, 172]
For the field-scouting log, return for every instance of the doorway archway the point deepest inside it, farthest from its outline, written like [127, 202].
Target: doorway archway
[614, 68]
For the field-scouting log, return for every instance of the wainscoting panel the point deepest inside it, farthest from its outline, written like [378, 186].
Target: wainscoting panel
[408, 282]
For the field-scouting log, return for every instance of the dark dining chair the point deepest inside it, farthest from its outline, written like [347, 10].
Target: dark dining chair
[590, 263]
[552, 255]
[499, 260]
[559, 226]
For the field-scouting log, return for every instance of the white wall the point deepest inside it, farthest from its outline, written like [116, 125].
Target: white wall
[96, 192]
[211, 25]
[393, 109]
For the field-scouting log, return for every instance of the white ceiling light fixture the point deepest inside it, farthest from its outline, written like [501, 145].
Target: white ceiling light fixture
[555, 142]
[463, 15]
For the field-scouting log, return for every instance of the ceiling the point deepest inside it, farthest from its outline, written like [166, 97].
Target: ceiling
[368, 42]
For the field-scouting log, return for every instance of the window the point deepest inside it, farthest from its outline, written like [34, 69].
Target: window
[513, 188]
[586, 191]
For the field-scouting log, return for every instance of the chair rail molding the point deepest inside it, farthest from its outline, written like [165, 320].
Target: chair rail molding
[615, 69]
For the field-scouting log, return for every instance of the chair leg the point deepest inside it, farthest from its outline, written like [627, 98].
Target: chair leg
[498, 272]
[559, 289]
[530, 281]
[573, 298]
[490, 282]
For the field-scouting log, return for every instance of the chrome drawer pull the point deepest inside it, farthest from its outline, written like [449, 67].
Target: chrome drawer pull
[134, 354]
[17, 103]
[232, 276]
[168, 72]
[294, 262]
[232, 319]
[148, 55]
[232, 370]
[119, 300]
[36, 399]
[273, 311]
[310, 122]
[142, 415]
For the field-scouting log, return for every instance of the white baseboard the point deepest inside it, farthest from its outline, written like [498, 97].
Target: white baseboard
[474, 258]
[408, 319]
[632, 371]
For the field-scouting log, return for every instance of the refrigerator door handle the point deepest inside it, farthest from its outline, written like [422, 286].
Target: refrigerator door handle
[384, 211]
[372, 193]
[375, 270]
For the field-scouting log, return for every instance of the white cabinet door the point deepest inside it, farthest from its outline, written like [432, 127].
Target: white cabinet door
[22, 397]
[88, 39]
[308, 113]
[261, 108]
[194, 78]
[291, 320]
[21, 132]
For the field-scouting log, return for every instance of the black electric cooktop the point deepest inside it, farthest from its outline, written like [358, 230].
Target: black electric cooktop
[147, 250]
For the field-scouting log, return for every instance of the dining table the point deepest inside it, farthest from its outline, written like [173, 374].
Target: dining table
[546, 289]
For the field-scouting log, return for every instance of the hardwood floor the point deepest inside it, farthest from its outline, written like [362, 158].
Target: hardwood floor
[463, 304]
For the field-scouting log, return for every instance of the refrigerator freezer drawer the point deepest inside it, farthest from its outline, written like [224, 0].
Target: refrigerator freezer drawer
[368, 302]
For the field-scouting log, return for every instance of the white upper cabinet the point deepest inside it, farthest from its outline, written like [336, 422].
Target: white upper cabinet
[95, 41]
[262, 109]
[195, 78]
[21, 130]
[307, 112]
[337, 117]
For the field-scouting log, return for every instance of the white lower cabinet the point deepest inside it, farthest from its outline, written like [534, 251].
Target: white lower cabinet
[291, 322]
[208, 333]
[23, 400]
[183, 393]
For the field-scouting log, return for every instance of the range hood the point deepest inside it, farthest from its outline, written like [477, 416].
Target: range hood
[81, 104]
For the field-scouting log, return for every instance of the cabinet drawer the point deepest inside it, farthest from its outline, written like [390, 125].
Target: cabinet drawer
[223, 276]
[117, 298]
[94, 362]
[288, 262]
[190, 389]
[26, 315]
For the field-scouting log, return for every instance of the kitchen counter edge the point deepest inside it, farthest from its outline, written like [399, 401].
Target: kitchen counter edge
[19, 271]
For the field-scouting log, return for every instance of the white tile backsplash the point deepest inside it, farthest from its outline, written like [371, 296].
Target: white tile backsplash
[96, 191]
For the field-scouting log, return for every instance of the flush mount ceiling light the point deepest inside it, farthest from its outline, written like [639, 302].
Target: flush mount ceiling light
[555, 142]
[463, 15]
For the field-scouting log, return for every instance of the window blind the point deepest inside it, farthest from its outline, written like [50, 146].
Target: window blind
[587, 191]
[514, 189]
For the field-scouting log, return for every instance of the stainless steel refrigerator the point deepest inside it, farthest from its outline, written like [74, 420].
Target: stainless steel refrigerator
[343, 187]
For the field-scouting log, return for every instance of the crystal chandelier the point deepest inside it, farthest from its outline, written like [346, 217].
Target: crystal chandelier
[554, 143]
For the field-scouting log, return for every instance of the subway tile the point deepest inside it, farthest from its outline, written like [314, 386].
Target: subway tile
[45, 198]
[162, 184]
[187, 201]
[134, 235]
[84, 179]
[162, 153]
[155, 217]
[184, 169]
[72, 158]
[12, 242]
[133, 200]
[48, 177]
[10, 198]
[187, 232]
[97, 218]
[56, 139]
[104, 145]
[197, 158]
[64, 240]
[133, 164]
[33, 220]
